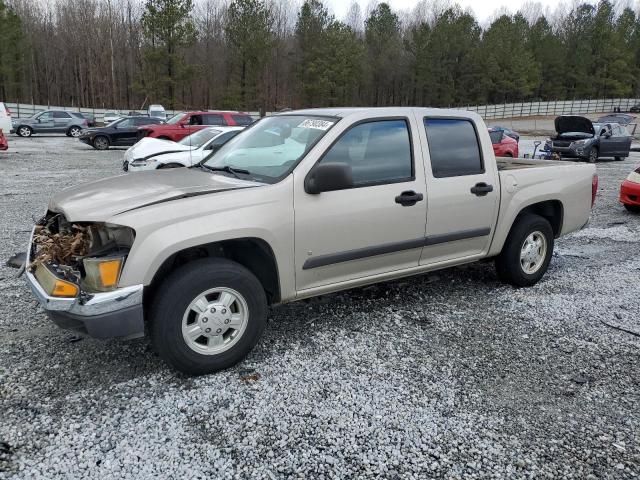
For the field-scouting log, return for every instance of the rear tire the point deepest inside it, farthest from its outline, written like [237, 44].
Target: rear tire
[74, 132]
[101, 143]
[527, 251]
[632, 208]
[197, 344]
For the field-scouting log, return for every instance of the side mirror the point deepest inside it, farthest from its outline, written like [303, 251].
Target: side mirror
[537, 143]
[213, 147]
[327, 177]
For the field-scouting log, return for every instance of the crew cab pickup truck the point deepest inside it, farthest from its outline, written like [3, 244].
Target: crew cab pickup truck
[300, 204]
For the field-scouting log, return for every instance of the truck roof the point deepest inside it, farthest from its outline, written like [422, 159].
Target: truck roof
[343, 112]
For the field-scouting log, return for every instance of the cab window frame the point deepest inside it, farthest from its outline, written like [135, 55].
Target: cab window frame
[482, 169]
[374, 183]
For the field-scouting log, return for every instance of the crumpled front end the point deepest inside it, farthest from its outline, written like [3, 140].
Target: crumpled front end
[73, 269]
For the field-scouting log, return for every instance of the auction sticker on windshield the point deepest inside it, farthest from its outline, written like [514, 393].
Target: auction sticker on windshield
[317, 124]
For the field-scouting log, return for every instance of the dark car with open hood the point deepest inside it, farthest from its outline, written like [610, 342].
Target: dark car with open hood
[578, 137]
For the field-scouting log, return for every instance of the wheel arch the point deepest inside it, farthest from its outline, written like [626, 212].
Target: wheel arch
[253, 253]
[551, 210]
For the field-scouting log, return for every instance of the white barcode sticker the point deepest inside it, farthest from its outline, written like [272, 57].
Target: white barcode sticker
[317, 124]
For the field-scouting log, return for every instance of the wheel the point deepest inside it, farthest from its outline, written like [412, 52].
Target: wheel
[527, 251]
[619, 159]
[101, 143]
[632, 208]
[25, 131]
[170, 165]
[207, 316]
[593, 155]
[74, 131]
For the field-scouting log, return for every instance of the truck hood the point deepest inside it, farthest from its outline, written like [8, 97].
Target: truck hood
[100, 200]
[573, 123]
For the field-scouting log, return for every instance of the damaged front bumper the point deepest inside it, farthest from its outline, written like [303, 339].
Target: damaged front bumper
[117, 313]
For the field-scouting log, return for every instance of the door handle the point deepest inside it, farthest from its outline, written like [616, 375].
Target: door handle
[408, 198]
[481, 189]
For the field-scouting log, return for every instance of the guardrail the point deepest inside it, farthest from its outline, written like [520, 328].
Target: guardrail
[507, 110]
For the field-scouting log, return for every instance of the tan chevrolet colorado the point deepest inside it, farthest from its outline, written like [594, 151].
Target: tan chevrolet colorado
[300, 204]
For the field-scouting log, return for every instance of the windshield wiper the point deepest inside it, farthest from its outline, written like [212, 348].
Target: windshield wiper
[232, 170]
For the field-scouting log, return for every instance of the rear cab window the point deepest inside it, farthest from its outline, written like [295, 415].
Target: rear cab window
[454, 147]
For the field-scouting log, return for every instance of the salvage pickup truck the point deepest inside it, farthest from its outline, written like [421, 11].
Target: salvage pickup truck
[300, 204]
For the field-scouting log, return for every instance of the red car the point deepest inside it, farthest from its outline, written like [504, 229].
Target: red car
[186, 123]
[4, 145]
[503, 144]
[630, 192]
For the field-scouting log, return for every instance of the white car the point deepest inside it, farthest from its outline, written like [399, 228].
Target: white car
[5, 119]
[153, 153]
[111, 116]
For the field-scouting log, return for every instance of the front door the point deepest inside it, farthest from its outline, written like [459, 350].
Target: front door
[45, 123]
[371, 228]
[462, 189]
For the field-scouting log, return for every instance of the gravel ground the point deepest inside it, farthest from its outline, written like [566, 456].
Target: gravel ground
[446, 375]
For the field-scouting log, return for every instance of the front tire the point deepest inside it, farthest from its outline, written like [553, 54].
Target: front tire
[593, 155]
[207, 316]
[101, 143]
[619, 159]
[527, 251]
[24, 131]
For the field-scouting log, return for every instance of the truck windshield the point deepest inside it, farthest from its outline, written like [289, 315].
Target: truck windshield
[272, 147]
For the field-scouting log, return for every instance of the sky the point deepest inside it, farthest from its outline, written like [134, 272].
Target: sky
[483, 9]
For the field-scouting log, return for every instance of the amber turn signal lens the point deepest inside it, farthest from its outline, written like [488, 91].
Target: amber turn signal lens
[102, 273]
[64, 289]
[53, 285]
[109, 272]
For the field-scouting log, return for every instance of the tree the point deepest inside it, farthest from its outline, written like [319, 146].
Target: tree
[510, 72]
[11, 61]
[168, 30]
[384, 50]
[248, 34]
[310, 35]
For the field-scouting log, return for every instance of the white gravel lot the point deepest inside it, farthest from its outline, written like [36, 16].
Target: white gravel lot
[447, 375]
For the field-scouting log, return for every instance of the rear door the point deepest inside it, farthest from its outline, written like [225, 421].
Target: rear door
[365, 230]
[61, 121]
[463, 190]
[214, 119]
[622, 141]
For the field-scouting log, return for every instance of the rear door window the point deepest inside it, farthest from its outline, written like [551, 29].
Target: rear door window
[213, 119]
[242, 120]
[61, 115]
[453, 147]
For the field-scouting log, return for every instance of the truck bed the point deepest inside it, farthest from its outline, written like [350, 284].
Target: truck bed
[505, 163]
